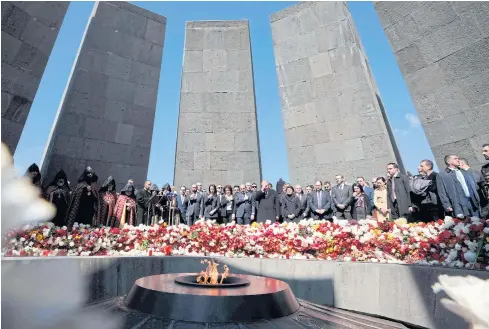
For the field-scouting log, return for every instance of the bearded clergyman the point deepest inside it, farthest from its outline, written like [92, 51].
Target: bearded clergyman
[58, 193]
[84, 200]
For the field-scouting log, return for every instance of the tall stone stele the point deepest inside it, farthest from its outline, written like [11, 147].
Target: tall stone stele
[29, 30]
[217, 140]
[106, 116]
[333, 116]
[442, 49]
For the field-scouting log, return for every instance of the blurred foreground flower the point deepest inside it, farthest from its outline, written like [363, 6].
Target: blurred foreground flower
[469, 298]
[40, 293]
[21, 203]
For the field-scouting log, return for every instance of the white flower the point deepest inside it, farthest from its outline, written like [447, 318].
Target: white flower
[470, 256]
[36, 288]
[20, 199]
[469, 298]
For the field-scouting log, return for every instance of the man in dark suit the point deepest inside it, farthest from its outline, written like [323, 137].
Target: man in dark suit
[304, 213]
[329, 190]
[319, 202]
[457, 190]
[194, 203]
[142, 200]
[266, 204]
[485, 153]
[342, 197]
[398, 193]
[243, 207]
[182, 203]
[464, 165]
[430, 207]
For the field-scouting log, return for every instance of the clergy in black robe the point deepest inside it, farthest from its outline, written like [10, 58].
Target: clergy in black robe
[84, 200]
[58, 193]
[34, 174]
[266, 204]
[107, 201]
[143, 197]
[155, 205]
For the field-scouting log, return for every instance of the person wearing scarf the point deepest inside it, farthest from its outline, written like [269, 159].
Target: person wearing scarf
[125, 207]
[108, 198]
[290, 206]
[59, 194]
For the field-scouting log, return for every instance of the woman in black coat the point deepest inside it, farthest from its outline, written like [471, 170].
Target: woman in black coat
[360, 203]
[290, 205]
[227, 205]
[210, 210]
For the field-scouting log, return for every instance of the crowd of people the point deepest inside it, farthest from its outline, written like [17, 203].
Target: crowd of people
[457, 191]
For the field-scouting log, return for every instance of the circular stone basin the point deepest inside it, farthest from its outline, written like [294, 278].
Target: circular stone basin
[259, 298]
[228, 282]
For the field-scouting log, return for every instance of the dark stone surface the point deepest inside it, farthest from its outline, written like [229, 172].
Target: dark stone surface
[263, 298]
[309, 316]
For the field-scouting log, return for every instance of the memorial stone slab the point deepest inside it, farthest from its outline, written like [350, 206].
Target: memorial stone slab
[29, 30]
[331, 108]
[217, 139]
[442, 50]
[113, 92]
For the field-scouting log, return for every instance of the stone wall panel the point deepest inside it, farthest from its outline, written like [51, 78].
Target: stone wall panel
[110, 100]
[331, 115]
[29, 30]
[217, 140]
[442, 50]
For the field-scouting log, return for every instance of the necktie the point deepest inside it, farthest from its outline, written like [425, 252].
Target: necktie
[319, 198]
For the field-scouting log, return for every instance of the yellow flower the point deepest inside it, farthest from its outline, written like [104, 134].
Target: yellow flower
[164, 224]
[315, 227]
[39, 237]
[255, 224]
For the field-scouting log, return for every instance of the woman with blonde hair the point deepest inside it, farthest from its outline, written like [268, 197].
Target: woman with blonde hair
[382, 213]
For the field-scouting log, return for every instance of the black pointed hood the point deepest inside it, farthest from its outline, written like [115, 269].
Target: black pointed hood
[109, 181]
[154, 187]
[127, 188]
[59, 175]
[88, 176]
[33, 167]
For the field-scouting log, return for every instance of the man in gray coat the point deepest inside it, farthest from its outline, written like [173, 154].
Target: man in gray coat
[457, 190]
[342, 198]
[398, 193]
[319, 202]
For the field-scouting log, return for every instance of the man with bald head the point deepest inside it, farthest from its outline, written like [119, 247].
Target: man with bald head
[457, 190]
[244, 204]
[303, 200]
[319, 202]
[266, 204]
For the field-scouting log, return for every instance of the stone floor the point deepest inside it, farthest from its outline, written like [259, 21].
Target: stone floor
[310, 316]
